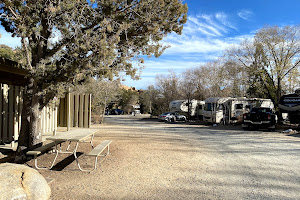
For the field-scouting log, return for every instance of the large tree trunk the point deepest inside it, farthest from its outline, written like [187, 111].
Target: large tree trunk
[30, 133]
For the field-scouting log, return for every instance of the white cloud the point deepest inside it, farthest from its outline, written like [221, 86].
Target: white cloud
[245, 14]
[224, 19]
[214, 22]
[156, 67]
[197, 44]
[205, 28]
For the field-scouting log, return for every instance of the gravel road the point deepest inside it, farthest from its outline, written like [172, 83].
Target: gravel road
[156, 160]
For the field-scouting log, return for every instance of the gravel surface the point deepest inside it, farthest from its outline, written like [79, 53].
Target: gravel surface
[156, 160]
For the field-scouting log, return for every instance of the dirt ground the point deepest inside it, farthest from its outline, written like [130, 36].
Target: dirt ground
[156, 160]
[142, 164]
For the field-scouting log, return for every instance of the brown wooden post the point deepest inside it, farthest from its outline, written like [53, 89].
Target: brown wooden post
[10, 113]
[68, 110]
[76, 102]
[61, 112]
[81, 101]
[72, 109]
[90, 110]
[86, 110]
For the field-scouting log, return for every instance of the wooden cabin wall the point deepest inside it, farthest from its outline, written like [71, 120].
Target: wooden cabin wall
[11, 103]
[11, 109]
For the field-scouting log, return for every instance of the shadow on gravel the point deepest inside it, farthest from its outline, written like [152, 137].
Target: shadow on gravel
[9, 155]
[65, 162]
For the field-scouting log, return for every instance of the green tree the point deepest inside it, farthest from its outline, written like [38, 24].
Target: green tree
[6, 52]
[128, 98]
[64, 42]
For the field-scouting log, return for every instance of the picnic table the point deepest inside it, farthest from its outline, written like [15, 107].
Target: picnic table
[75, 135]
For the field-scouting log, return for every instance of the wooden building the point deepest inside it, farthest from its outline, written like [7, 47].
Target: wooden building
[72, 111]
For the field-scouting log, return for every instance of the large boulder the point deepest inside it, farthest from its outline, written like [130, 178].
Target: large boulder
[22, 182]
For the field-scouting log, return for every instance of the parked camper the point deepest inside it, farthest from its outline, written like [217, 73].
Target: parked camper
[213, 109]
[228, 110]
[290, 104]
[182, 106]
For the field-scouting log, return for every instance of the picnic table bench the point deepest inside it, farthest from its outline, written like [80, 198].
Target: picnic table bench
[40, 150]
[97, 152]
[76, 135]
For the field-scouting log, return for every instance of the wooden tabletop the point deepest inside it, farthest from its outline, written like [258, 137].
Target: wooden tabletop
[73, 135]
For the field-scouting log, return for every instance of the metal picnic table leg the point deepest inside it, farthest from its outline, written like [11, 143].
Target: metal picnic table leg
[76, 158]
[68, 146]
[56, 151]
[92, 140]
[74, 152]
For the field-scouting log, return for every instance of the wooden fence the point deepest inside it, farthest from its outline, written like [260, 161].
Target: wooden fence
[75, 111]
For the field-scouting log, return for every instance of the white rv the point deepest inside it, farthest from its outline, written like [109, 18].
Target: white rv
[213, 109]
[181, 106]
[228, 110]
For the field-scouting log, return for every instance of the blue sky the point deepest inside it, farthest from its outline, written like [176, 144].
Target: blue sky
[212, 26]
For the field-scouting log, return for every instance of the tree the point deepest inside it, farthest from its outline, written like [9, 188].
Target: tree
[147, 99]
[188, 88]
[6, 52]
[104, 91]
[270, 59]
[128, 98]
[235, 78]
[210, 80]
[64, 42]
[168, 87]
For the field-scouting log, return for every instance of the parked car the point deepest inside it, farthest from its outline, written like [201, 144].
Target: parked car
[261, 117]
[162, 117]
[116, 112]
[171, 117]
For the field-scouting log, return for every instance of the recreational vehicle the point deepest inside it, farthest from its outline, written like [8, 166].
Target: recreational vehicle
[182, 106]
[228, 110]
[290, 104]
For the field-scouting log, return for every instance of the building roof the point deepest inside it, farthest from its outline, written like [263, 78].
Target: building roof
[11, 74]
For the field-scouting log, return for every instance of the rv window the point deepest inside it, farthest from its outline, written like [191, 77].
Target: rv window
[200, 107]
[208, 107]
[239, 106]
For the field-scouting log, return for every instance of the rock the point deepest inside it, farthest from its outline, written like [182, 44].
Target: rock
[22, 182]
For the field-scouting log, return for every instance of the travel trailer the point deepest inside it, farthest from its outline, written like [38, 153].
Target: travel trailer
[290, 104]
[228, 110]
[181, 106]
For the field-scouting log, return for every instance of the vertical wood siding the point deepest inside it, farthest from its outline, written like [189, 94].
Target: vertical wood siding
[79, 112]
[11, 104]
